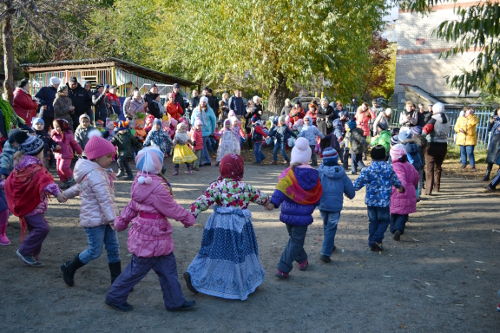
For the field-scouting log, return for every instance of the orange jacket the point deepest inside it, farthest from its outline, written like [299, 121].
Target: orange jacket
[174, 110]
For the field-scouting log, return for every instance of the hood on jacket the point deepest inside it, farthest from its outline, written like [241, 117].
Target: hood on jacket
[83, 167]
[142, 192]
[333, 172]
[307, 177]
[440, 118]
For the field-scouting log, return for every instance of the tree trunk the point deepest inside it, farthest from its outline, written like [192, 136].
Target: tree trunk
[279, 93]
[8, 54]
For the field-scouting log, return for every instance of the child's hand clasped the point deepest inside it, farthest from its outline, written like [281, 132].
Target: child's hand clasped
[269, 206]
[61, 198]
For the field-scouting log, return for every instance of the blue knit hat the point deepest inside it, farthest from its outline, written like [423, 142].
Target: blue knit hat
[405, 135]
[36, 120]
[394, 140]
[351, 123]
[416, 130]
[330, 157]
[254, 119]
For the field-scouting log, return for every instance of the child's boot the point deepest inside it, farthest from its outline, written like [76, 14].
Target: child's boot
[176, 171]
[69, 268]
[130, 176]
[190, 170]
[120, 174]
[115, 269]
[4, 240]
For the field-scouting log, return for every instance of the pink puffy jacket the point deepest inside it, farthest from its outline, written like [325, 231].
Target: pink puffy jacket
[406, 202]
[148, 210]
[97, 193]
[67, 147]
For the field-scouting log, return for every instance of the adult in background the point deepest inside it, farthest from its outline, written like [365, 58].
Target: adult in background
[113, 99]
[251, 111]
[79, 98]
[342, 113]
[297, 112]
[437, 134]
[376, 109]
[45, 98]
[312, 112]
[88, 88]
[212, 101]
[137, 104]
[101, 103]
[384, 118]
[24, 105]
[127, 101]
[173, 108]
[193, 103]
[324, 121]
[237, 104]
[494, 144]
[285, 111]
[258, 107]
[423, 116]
[176, 88]
[225, 99]
[152, 107]
[363, 116]
[467, 137]
[408, 117]
[207, 116]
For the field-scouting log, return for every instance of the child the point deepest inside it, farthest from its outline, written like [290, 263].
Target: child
[83, 130]
[196, 135]
[228, 143]
[379, 178]
[228, 264]
[405, 203]
[26, 191]
[149, 123]
[421, 141]
[182, 153]
[50, 145]
[300, 190]
[346, 146]
[98, 208]
[223, 110]
[63, 106]
[383, 138]
[335, 183]
[125, 142]
[140, 132]
[149, 239]
[159, 138]
[282, 133]
[257, 134]
[311, 132]
[358, 144]
[63, 136]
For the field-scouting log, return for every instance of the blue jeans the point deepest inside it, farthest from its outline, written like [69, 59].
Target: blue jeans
[97, 236]
[330, 223]
[281, 146]
[357, 161]
[294, 250]
[259, 156]
[379, 218]
[398, 222]
[467, 151]
[204, 152]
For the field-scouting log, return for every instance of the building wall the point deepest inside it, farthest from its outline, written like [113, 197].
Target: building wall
[420, 64]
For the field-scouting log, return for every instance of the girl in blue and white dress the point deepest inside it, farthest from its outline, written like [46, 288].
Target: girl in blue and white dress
[228, 264]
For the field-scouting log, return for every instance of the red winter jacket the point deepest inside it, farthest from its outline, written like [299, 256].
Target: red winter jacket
[24, 105]
[197, 136]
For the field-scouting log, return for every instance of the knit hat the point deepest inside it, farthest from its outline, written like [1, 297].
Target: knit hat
[106, 86]
[82, 117]
[382, 125]
[97, 146]
[156, 122]
[54, 80]
[62, 88]
[32, 146]
[378, 153]
[17, 135]
[204, 99]
[330, 157]
[231, 114]
[416, 130]
[301, 152]
[405, 135]
[397, 152]
[394, 140]
[438, 108]
[351, 123]
[198, 122]
[173, 122]
[254, 119]
[122, 125]
[36, 120]
[149, 159]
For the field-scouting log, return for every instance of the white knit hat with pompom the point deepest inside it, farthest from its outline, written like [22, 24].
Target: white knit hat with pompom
[301, 152]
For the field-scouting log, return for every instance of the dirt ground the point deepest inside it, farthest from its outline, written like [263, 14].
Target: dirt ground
[441, 277]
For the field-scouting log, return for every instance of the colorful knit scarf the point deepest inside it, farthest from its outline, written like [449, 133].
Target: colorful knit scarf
[290, 187]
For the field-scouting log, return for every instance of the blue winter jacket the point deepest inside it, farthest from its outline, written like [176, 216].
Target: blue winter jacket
[293, 213]
[7, 159]
[310, 133]
[208, 127]
[413, 154]
[46, 96]
[335, 183]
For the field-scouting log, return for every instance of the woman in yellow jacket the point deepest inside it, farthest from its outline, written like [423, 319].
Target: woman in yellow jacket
[467, 137]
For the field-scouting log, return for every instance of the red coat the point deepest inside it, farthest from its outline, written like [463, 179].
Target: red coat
[174, 110]
[196, 136]
[296, 114]
[24, 105]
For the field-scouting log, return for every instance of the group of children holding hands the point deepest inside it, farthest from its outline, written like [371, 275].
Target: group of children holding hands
[227, 264]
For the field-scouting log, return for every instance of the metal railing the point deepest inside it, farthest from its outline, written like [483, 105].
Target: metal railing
[483, 136]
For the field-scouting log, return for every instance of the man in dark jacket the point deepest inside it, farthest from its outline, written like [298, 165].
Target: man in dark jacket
[423, 116]
[149, 97]
[80, 99]
[193, 103]
[212, 101]
[236, 104]
[45, 97]
[178, 96]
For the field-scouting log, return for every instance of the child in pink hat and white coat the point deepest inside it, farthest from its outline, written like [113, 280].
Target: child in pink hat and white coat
[149, 237]
[402, 204]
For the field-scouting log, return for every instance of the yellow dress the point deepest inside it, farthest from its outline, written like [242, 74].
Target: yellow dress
[182, 152]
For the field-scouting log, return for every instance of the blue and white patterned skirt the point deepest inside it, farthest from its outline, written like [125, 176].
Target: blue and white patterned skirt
[228, 264]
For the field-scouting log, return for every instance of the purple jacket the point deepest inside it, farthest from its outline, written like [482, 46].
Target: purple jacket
[406, 202]
[291, 212]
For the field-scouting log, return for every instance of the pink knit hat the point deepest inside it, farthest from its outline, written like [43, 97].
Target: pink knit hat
[397, 152]
[97, 147]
